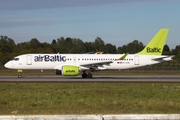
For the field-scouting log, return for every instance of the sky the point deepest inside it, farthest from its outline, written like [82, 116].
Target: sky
[118, 22]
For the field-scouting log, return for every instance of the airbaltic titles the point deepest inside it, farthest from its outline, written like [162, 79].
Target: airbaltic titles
[48, 58]
[153, 50]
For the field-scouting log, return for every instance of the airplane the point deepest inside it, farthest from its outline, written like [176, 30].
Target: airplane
[74, 64]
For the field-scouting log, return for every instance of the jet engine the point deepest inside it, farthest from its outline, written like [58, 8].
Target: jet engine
[68, 70]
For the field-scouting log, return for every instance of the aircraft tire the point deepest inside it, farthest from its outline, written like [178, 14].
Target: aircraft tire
[84, 75]
[89, 75]
[19, 76]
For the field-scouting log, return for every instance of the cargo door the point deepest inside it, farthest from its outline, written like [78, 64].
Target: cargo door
[29, 59]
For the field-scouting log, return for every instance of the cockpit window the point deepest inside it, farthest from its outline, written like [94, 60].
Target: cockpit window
[15, 59]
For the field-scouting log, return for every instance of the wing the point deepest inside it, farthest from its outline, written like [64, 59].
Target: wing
[87, 65]
[96, 63]
[93, 66]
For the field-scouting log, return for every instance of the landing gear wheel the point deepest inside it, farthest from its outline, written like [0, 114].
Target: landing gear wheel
[84, 75]
[89, 75]
[19, 76]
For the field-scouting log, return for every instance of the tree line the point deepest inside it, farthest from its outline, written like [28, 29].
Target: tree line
[8, 48]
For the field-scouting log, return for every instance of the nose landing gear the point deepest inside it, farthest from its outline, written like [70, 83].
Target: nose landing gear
[19, 71]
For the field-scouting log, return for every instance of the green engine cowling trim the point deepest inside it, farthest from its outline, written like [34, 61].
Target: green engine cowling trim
[68, 70]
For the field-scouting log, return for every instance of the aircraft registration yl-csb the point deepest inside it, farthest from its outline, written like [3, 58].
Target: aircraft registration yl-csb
[74, 64]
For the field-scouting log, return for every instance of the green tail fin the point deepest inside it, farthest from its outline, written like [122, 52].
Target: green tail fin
[156, 45]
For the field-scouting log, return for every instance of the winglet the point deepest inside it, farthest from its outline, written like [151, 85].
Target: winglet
[123, 57]
[156, 45]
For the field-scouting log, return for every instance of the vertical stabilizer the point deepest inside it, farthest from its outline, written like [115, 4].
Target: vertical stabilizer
[156, 45]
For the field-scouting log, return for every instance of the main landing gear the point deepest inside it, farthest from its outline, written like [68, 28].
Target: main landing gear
[85, 75]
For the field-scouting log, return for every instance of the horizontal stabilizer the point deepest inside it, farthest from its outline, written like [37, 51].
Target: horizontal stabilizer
[166, 58]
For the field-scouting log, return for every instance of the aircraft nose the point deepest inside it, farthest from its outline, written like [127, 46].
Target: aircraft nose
[8, 65]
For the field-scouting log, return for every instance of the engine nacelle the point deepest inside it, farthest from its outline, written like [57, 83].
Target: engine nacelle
[68, 70]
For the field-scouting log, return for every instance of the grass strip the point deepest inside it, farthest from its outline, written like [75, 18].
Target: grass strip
[89, 98]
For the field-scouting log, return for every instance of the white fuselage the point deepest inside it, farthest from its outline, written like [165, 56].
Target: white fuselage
[83, 61]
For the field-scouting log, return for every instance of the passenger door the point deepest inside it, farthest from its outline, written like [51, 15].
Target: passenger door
[136, 60]
[29, 59]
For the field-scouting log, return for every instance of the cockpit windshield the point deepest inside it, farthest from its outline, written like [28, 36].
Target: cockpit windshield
[15, 59]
